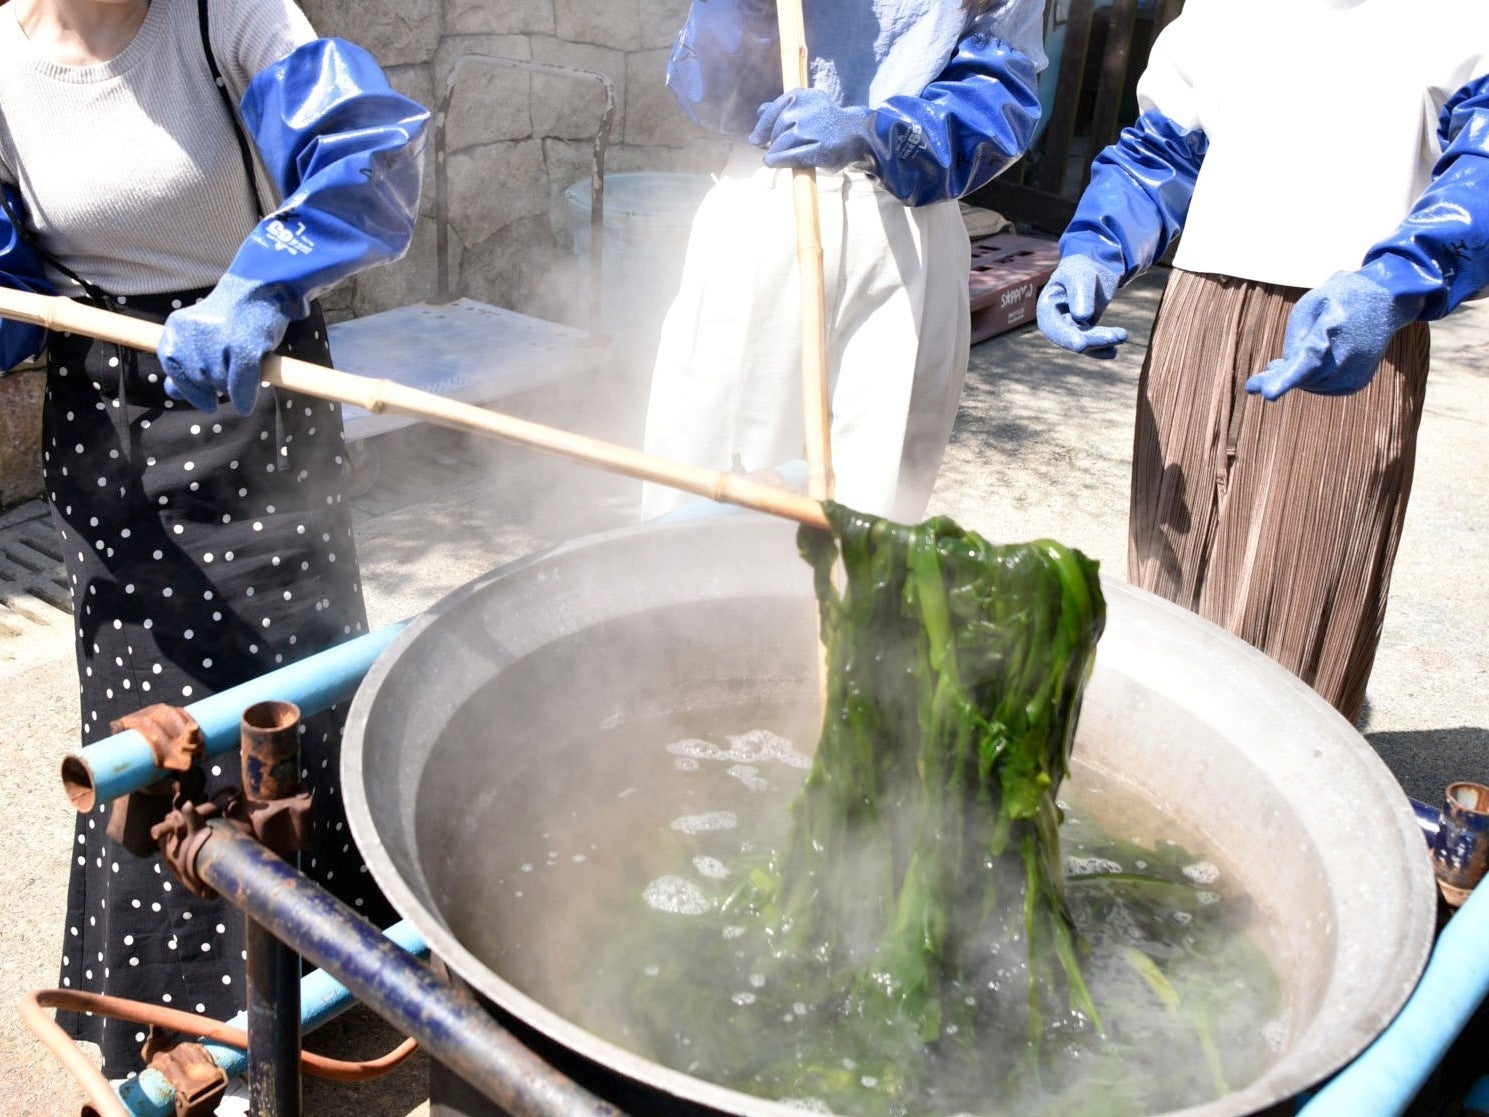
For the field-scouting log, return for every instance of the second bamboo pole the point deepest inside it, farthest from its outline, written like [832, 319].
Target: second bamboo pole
[816, 405]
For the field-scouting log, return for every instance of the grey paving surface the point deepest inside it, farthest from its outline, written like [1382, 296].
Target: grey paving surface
[1042, 447]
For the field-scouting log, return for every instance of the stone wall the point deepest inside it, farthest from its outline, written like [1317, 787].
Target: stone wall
[517, 140]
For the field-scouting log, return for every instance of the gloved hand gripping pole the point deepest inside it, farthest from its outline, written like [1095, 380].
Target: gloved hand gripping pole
[376, 396]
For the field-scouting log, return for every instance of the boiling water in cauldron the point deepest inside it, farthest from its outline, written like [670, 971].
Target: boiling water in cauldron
[609, 916]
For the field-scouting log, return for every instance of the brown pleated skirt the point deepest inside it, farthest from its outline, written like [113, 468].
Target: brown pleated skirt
[1278, 521]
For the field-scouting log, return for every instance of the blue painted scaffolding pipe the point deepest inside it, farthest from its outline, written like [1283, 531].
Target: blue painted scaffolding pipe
[123, 763]
[322, 999]
[449, 1023]
[1391, 1072]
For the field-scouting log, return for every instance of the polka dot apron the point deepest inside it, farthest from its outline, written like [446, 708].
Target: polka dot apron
[202, 551]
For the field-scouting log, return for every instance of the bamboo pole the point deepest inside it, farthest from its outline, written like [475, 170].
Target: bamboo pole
[378, 395]
[816, 406]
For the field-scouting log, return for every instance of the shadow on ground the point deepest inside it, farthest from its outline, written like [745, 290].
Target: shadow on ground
[1425, 761]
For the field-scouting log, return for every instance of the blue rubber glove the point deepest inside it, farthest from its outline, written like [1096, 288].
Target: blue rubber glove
[1133, 207]
[1437, 257]
[964, 129]
[20, 270]
[807, 128]
[346, 153]
[1336, 336]
[1073, 301]
[216, 347]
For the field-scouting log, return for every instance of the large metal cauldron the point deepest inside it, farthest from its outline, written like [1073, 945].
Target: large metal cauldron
[475, 726]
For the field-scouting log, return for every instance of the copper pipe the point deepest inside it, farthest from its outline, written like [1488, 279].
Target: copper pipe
[101, 1097]
[50, 1033]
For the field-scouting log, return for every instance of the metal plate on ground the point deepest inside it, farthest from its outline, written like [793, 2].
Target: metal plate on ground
[33, 582]
[462, 350]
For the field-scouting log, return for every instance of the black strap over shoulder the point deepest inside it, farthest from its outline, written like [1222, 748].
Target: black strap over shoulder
[95, 294]
[245, 150]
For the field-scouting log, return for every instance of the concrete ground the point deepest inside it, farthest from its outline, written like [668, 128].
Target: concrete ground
[1042, 447]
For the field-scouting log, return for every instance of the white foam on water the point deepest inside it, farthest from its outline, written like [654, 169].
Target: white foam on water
[807, 1105]
[694, 748]
[1275, 1034]
[757, 981]
[757, 746]
[1202, 872]
[710, 867]
[749, 775]
[762, 745]
[743, 998]
[1183, 918]
[651, 970]
[686, 764]
[676, 896]
[706, 822]
[1207, 897]
[868, 1082]
[733, 932]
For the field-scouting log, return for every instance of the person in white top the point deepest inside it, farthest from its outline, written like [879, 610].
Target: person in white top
[1327, 162]
[913, 104]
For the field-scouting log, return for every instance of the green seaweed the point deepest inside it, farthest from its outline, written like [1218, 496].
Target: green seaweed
[910, 945]
[955, 670]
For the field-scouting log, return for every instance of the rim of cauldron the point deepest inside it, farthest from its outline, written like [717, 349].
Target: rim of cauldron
[610, 1058]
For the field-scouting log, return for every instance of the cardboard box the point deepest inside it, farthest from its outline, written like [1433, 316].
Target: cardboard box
[1008, 272]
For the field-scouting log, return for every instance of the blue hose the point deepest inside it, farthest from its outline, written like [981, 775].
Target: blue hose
[1383, 1081]
[322, 999]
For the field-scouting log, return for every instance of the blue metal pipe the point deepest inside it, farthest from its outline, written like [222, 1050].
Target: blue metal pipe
[449, 1023]
[1383, 1081]
[322, 999]
[123, 763]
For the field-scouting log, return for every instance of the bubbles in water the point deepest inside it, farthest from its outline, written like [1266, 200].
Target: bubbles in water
[651, 969]
[694, 749]
[1182, 918]
[733, 932]
[1207, 897]
[703, 823]
[757, 980]
[686, 764]
[749, 775]
[762, 745]
[868, 1081]
[1202, 872]
[527, 866]
[676, 896]
[1275, 1033]
[758, 746]
[743, 999]
[710, 867]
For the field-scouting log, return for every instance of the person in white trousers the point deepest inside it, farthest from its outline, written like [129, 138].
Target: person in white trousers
[911, 106]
